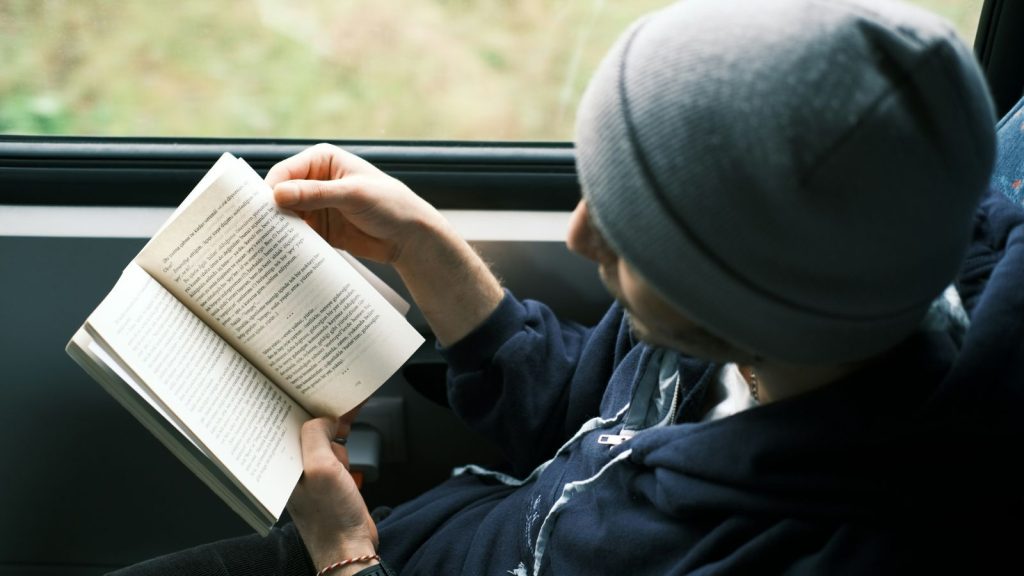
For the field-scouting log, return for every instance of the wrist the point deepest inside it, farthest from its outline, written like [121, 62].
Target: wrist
[354, 548]
[348, 569]
[379, 569]
[453, 288]
[429, 241]
[347, 560]
[450, 283]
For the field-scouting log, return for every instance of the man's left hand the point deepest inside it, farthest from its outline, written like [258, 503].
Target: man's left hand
[326, 505]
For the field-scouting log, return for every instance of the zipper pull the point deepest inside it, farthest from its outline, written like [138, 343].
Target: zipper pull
[615, 439]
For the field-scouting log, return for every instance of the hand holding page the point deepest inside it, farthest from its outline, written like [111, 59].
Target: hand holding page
[279, 294]
[232, 326]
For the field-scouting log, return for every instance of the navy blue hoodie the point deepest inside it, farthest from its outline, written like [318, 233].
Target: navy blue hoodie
[909, 464]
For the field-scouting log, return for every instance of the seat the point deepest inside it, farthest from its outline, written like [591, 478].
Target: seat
[1008, 175]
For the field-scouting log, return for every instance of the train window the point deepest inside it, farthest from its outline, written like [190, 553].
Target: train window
[964, 14]
[362, 69]
[370, 69]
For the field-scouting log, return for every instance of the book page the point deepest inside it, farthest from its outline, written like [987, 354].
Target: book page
[118, 380]
[283, 297]
[231, 409]
[389, 293]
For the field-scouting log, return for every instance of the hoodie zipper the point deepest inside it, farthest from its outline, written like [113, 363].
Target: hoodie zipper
[628, 432]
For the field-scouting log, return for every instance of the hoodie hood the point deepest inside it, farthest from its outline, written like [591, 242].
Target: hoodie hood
[839, 452]
[923, 441]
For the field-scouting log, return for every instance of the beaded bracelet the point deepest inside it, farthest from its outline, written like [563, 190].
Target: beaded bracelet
[336, 565]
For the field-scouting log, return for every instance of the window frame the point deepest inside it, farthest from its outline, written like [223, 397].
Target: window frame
[78, 171]
[478, 175]
[998, 45]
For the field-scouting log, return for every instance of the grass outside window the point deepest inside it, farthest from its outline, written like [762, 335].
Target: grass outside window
[319, 69]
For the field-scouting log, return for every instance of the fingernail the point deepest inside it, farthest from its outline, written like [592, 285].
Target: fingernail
[286, 194]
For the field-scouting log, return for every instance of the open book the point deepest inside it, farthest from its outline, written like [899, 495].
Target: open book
[234, 325]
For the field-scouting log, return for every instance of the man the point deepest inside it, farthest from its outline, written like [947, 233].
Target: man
[777, 193]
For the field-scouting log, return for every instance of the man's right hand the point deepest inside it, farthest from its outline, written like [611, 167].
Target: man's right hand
[356, 207]
[352, 204]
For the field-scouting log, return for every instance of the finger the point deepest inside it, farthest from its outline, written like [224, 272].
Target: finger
[320, 162]
[318, 456]
[345, 420]
[315, 194]
[340, 453]
[344, 430]
[313, 162]
[319, 220]
[344, 427]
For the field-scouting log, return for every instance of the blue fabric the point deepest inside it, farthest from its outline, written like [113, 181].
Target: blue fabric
[907, 465]
[1008, 176]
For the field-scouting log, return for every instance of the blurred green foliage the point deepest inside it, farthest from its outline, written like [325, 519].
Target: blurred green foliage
[338, 69]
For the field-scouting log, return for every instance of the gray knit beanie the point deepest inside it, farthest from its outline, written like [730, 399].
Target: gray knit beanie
[797, 176]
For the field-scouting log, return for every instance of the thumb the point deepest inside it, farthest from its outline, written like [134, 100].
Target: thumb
[311, 194]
